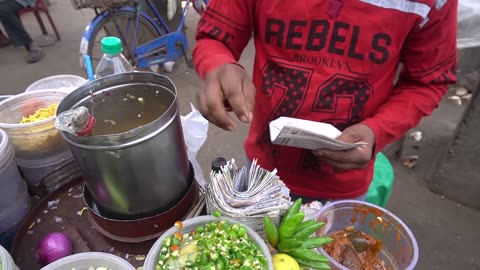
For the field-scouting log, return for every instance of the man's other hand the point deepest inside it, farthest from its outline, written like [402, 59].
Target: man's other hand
[357, 158]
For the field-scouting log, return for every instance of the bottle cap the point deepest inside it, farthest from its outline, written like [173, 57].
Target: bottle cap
[111, 45]
[218, 163]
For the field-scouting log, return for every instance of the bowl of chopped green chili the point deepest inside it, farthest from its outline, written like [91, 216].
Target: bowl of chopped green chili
[209, 242]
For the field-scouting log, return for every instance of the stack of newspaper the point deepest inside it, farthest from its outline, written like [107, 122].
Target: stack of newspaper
[247, 194]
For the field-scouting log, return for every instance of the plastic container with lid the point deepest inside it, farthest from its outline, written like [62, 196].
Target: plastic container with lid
[113, 61]
[82, 261]
[11, 182]
[32, 141]
[64, 82]
[6, 260]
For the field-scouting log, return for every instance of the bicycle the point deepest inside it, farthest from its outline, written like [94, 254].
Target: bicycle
[200, 6]
[147, 40]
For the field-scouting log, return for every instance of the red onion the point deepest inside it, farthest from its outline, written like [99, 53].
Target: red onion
[53, 247]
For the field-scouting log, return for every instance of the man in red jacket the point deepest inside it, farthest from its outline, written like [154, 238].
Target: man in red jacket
[332, 61]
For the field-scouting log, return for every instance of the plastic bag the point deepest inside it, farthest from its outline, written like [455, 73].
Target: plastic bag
[195, 132]
[468, 24]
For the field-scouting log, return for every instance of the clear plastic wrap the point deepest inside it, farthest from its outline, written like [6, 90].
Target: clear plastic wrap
[195, 132]
[76, 121]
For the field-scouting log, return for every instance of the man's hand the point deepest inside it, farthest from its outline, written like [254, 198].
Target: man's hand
[357, 158]
[230, 84]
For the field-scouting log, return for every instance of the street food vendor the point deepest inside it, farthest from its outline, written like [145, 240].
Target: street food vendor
[332, 61]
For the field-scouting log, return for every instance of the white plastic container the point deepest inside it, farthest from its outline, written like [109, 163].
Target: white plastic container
[16, 212]
[32, 141]
[82, 261]
[59, 82]
[190, 225]
[6, 260]
[14, 197]
[11, 182]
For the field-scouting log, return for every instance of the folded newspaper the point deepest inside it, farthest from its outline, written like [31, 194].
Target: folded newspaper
[247, 194]
[307, 134]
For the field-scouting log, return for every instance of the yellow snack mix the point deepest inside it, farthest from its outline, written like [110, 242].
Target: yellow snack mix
[40, 114]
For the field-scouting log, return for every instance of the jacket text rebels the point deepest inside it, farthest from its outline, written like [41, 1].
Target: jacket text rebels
[313, 36]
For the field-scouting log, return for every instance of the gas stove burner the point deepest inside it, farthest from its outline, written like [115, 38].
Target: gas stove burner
[118, 216]
[144, 228]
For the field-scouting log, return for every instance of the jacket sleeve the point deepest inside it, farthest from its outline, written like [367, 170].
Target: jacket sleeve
[222, 33]
[429, 57]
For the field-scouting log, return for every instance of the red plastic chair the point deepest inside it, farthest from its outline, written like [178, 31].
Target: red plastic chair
[40, 6]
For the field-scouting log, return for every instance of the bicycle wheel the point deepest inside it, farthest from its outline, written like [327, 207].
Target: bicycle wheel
[121, 24]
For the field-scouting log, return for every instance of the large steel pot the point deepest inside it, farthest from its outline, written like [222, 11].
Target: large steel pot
[135, 164]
